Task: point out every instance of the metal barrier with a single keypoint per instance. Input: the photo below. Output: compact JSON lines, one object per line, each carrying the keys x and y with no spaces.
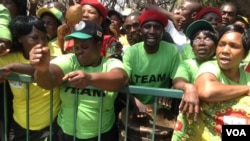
{"x":162,"y":92}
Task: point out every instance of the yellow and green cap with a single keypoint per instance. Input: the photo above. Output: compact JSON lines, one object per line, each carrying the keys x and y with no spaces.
{"x":54,"y":11}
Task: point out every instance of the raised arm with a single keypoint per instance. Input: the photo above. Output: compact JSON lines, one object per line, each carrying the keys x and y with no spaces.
{"x":172,"y":16}
{"x":46,"y":75}
{"x":62,"y":31}
{"x":211,"y":90}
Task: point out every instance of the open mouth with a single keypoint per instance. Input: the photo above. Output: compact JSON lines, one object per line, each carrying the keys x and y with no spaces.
{"x":225,"y":60}
{"x":202,"y":51}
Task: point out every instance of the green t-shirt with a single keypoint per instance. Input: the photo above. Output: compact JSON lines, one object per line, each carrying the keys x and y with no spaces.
{"x":214,"y":115}
{"x":187,"y":69}
{"x":151,"y":70}
{"x":87,"y":118}
{"x":187,"y":52}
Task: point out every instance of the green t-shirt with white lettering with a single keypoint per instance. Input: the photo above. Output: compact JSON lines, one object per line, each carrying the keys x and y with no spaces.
{"x":88,"y":102}
{"x":151,"y":70}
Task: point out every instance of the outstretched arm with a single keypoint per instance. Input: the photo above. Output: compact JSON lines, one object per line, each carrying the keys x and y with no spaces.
{"x":211,"y":90}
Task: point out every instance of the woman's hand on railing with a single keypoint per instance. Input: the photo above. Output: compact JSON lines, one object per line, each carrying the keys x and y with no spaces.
{"x":4,"y":72}
{"x":78,"y":79}
{"x":166,"y":102}
{"x":190,"y":102}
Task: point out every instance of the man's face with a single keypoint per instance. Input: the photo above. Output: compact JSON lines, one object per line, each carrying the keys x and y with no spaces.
{"x":132,"y":28}
{"x":214,"y":19}
{"x":228,"y":15}
{"x":186,"y":10}
{"x":151,"y":32}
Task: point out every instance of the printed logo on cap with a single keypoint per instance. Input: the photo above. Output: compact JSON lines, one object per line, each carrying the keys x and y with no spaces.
{"x":81,"y":25}
{"x":99,"y":33}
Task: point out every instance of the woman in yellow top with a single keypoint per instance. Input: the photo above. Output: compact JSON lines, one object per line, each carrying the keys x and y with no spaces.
{"x":27,"y":32}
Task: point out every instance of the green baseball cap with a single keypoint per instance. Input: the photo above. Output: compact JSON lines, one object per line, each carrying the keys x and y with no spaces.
{"x":198,"y":25}
{"x":85,"y":30}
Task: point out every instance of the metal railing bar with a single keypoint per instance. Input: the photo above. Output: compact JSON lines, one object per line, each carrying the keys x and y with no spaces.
{"x":166,"y":92}
{"x":20,"y":77}
{"x":75,"y":113}
{"x":5,"y":111}
{"x":154,"y":118}
{"x":100,"y":118}
{"x":51,"y":115}
{"x":126,"y":118}
{"x":131,"y":89}
{"x":27,"y":111}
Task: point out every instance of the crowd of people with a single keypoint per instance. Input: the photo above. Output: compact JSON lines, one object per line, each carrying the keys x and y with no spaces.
{"x":201,"y":50}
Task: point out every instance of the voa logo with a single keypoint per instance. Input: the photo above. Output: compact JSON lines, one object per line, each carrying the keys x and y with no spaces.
{"x":236,"y":132}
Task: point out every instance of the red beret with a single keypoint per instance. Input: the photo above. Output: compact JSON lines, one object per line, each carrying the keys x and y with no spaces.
{"x":97,"y":5}
{"x":153,"y":15}
{"x":206,"y":10}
